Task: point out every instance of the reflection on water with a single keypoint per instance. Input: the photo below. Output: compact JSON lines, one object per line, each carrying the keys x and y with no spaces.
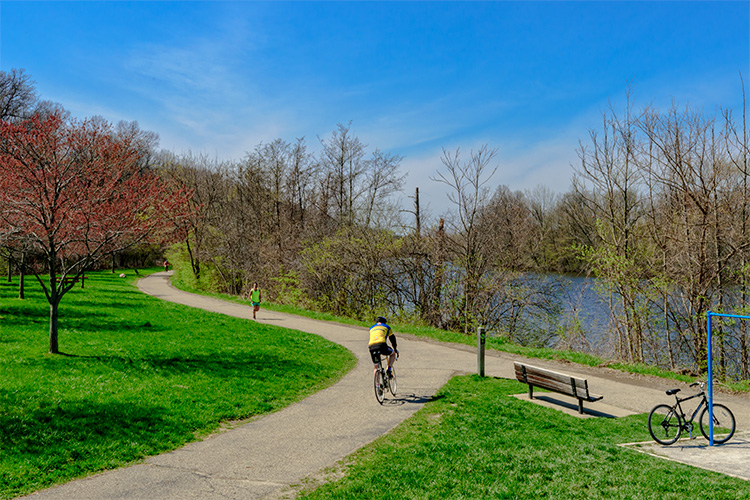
{"x":555,"y":310}
{"x":584,"y":306}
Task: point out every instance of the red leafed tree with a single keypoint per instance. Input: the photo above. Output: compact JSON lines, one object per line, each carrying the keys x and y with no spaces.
{"x":75,"y":192}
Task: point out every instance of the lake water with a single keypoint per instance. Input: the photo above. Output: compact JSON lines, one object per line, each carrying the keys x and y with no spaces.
{"x":582,"y":301}
{"x":583,"y":322}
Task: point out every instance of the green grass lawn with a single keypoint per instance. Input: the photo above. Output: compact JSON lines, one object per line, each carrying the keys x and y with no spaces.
{"x":475,"y":441}
{"x":139,"y":377}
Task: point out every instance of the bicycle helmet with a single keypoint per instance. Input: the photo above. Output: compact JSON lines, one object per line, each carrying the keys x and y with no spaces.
{"x":381,"y":319}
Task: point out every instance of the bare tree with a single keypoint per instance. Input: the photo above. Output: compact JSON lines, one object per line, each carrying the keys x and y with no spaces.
{"x":145,"y":141}
{"x":541,"y":204}
{"x":342,"y":158}
{"x":737,"y":140}
{"x":299,"y":184}
{"x":468,"y":183}
{"x":609,"y":167}
{"x":685,"y":165}
{"x":17,"y":95}
{"x":273,"y":160}
{"x":206,"y":181}
{"x":383,"y":180}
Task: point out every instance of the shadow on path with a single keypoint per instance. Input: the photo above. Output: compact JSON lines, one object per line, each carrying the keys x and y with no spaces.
{"x":403,"y":399}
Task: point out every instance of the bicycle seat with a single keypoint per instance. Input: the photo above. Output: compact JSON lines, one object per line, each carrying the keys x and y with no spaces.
{"x":672,"y":391}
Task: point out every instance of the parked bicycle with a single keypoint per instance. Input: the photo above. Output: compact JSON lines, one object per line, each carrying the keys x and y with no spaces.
{"x":666,"y":423}
{"x":384,"y":381}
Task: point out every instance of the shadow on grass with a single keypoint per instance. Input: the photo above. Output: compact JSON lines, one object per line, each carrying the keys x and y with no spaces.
{"x":56,"y":442}
{"x":74,"y":319}
{"x":159,"y":405}
{"x":250,"y":364}
{"x":73,"y":423}
{"x":122,"y":300}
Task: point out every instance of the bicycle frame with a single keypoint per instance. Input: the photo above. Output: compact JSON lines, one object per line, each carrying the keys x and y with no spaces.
{"x":678,"y":406}
{"x":382,"y":358}
{"x":380,"y":362}
{"x":382,"y":365}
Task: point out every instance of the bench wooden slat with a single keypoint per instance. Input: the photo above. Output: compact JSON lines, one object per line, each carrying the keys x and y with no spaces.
{"x":550,"y":375}
{"x":581,"y":389}
{"x":533,"y":373}
{"x":539,"y":381}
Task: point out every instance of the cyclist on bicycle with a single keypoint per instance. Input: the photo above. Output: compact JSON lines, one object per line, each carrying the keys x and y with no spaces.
{"x":380,"y":332}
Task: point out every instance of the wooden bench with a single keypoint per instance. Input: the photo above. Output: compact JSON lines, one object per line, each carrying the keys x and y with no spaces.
{"x":68,"y":280}
{"x":557,"y":382}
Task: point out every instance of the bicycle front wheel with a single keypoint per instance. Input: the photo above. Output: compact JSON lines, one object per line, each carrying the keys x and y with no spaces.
{"x":379,"y":386}
{"x":664,"y":424}
{"x":723,"y":423}
{"x":392,"y":381}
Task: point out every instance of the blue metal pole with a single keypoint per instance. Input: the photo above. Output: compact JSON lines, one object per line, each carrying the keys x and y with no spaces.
{"x":709,"y":314}
{"x":710,"y":383}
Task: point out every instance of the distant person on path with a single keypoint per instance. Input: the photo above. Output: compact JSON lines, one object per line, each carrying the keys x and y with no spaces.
{"x":166,"y":265}
{"x":380,"y":332}
{"x":255,"y":297}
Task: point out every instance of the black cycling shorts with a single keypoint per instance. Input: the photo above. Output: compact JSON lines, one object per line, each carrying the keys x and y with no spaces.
{"x":377,"y":349}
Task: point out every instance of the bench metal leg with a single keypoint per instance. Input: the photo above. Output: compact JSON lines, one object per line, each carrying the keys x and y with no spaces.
{"x":531,"y":391}
{"x":580,"y":406}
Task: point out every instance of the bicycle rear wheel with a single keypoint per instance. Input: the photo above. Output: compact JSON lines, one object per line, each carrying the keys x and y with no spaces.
{"x":379,"y":384}
{"x":664,"y":424}
{"x":392,"y":381}
{"x":723,"y":423}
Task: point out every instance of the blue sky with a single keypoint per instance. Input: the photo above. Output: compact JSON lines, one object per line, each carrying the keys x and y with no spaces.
{"x":530,"y":78}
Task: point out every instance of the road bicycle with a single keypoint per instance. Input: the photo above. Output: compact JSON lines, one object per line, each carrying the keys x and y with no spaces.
{"x":666,"y":423}
{"x":384,"y":381}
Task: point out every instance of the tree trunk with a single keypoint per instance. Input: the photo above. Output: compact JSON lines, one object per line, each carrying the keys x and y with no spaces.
{"x":422,"y":300}
{"x":54,"y":303}
{"x":194,"y":263}
{"x":21,"y":292}
{"x":53,"y":315}
{"x":436,"y":308}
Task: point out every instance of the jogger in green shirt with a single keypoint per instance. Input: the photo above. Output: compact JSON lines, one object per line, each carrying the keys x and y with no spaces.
{"x":254,"y":296}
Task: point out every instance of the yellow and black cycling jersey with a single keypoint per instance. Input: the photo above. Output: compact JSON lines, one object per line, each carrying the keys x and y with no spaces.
{"x":379,"y":333}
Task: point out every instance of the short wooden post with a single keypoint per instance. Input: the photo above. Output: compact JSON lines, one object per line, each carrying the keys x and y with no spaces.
{"x":480,"y":350}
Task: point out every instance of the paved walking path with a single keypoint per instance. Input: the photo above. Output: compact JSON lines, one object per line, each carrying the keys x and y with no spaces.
{"x":262,"y":458}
